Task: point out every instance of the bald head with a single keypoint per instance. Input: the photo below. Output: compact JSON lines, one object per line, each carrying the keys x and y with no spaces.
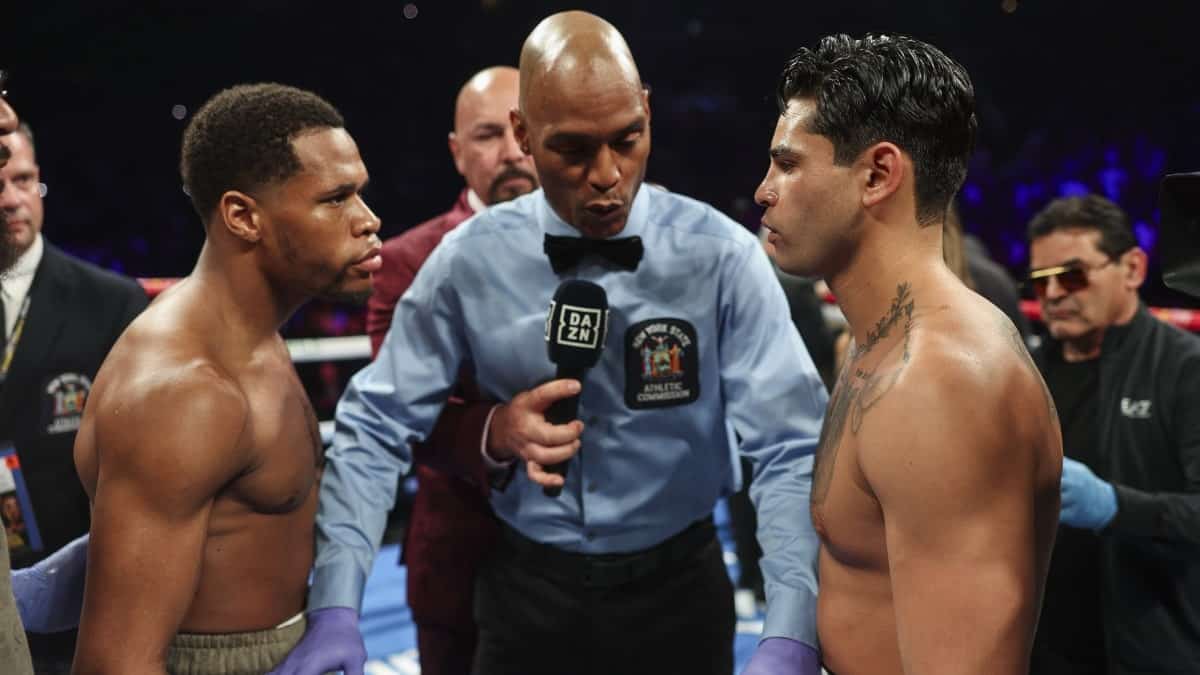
{"x":490,"y":87}
{"x":585,"y":118}
{"x":485,"y":151}
{"x":576,"y":48}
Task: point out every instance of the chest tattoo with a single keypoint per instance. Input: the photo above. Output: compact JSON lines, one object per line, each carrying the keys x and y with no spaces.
{"x":859,"y":388}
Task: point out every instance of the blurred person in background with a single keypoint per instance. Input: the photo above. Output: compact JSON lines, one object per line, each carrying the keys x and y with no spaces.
{"x":61,"y":318}
{"x":14,"y":649}
{"x":452,"y":527}
{"x":1123,"y":593}
{"x":980,"y":273}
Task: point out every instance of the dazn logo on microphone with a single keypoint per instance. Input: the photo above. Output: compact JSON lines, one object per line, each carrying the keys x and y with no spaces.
{"x":579,"y":327}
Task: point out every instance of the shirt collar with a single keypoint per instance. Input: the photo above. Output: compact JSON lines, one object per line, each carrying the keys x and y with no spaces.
{"x":635,"y":225}
{"x":1116,"y":335}
{"x":27,"y":264}
{"x":474,"y":201}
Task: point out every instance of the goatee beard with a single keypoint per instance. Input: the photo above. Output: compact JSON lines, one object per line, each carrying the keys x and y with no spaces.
{"x":496,"y":195}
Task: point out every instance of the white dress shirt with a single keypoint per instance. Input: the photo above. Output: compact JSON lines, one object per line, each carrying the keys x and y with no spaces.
{"x":15,"y":283}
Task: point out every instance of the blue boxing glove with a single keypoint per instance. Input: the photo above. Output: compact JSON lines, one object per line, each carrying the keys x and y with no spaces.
{"x":783,"y":656}
{"x":331,"y":642}
{"x":1087,"y":501}
{"x":50,"y":594}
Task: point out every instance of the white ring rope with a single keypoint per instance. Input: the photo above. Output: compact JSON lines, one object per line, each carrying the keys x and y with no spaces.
{"x":326,"y":427}
{"x":313,"y":350}
{"x":347,"y":348}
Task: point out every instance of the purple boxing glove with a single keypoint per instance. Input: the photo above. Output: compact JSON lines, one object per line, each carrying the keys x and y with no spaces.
{"x":50,"y":594}
{"x":783,"y":656}
{"x":331,"y":642}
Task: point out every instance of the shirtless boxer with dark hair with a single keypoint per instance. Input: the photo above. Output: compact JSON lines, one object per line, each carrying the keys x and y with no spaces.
{"x":198,"y":447}
{"x":935,"y":491}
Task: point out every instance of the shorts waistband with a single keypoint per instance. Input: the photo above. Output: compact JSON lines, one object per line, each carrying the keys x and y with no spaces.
{"x":284,"y":632}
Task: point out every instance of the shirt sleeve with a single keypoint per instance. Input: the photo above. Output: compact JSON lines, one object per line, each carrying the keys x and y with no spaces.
{"x":387,"y":406}
{"x":776,"y":401}
{"x":1167,"y":523}
{"x":448,"y":447}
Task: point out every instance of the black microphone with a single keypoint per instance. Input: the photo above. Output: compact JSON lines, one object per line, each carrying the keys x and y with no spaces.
{"x":576,"y":328}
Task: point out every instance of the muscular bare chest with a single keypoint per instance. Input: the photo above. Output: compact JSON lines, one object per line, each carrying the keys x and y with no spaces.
{"x":285,"y":442}
{"x":846,"y":516}
{"x":845,"y":512}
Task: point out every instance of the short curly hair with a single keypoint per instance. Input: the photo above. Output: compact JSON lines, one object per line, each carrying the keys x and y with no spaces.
{"x":242,"y":138}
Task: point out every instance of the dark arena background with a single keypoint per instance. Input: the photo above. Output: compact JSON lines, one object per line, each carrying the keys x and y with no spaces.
{"x":1074,"y":96}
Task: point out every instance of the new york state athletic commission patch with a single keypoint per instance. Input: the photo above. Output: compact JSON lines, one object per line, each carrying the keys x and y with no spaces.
{"x":661,"y":364}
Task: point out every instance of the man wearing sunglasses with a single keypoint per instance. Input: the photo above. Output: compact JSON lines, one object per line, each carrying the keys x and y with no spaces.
{"x":1123,"y":592}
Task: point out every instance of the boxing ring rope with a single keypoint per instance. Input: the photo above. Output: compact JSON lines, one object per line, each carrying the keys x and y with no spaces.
{"x":351,"y":347}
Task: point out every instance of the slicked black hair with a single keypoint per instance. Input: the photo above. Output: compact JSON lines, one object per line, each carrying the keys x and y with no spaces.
{"x":1089,"y":212}
{"x":242,"y":138}
{"x":890,"y":88}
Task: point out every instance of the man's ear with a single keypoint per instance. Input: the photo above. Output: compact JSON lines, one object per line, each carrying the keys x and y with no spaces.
{"x":520,"y":130}
{"x":1134,"y":263}
{"x":456,"y":152}
{"x":883,"y":171}
{"x":238,"y":213}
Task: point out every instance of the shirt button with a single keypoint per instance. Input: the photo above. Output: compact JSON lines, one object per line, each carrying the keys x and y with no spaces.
{"x":591,"y":488}
{"x":593,"y":420}
{"x":590,"y":535}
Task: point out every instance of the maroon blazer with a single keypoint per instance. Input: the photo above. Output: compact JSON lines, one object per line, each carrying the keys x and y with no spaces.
{"x":452,"y":526}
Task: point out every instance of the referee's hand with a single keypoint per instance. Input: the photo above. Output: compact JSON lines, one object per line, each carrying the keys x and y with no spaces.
{"x":519,"y":429}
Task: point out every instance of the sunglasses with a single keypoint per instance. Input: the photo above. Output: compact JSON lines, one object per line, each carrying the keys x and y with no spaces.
{"x":1072,"y":277}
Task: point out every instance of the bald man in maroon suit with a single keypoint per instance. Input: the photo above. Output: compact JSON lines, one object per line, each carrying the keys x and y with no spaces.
{"x":452,"y":526}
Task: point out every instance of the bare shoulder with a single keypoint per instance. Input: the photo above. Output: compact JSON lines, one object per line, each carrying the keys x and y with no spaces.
{"x":973,"y":345}
{"x":163,"y":405}
{"x":964,"y":407}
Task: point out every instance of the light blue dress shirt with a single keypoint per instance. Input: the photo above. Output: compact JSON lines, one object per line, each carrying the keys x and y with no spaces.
{"x":642,"y":475}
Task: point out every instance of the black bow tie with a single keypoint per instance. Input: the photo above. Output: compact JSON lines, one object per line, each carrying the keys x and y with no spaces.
{"x":566,"y":252}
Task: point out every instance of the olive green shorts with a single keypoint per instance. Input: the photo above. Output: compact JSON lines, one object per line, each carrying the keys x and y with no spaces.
{"x":233,"y":653}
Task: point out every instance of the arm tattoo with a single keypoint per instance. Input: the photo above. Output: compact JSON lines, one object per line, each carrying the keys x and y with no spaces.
{"x":859,"y":389}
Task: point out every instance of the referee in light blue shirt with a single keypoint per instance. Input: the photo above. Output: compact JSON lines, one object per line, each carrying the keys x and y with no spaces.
{"x":622,"y":572}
